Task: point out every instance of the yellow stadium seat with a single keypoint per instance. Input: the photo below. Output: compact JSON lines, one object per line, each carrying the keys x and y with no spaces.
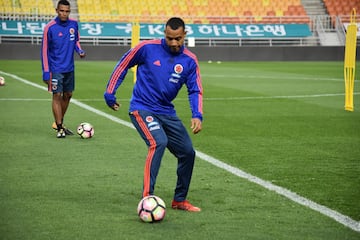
{"x":279,"y":13}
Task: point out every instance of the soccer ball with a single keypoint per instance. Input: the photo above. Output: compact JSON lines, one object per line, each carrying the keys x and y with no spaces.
{"x":151,"y":209}
{"x":2,"y":81}
{"x":85,"y":130}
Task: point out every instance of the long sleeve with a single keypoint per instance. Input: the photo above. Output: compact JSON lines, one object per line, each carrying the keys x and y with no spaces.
{"x":195,"y":90}
{"x":130,"y":59}
{"x":78,"y":48}
{"x":45,"y":63}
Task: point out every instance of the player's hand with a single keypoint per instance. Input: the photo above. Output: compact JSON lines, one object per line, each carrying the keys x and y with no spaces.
{"x":82,"y":54}
{"x":196,"y":125}
{"x":116,"y":106}
{"x":110,"y":100}
{"x":47,"y":83}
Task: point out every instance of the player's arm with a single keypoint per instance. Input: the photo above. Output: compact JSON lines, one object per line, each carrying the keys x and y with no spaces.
{"x":78,"y":48}
{"x":130,"y":59}
{"x":195,"y":93}
{"x":44,"y":53}
{"x":80,"y":51}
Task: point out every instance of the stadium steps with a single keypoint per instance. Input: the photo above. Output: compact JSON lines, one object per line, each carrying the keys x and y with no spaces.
{"x":314,"y":7}
{"x":329,"y":39}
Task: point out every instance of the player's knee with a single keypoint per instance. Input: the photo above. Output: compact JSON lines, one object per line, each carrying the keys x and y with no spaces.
{"x":188,"y":147}
{"x":67,"y":96}
{"x":56,"y":96}
{"x":190,"y":153}
{"x":161,"y":143}
{"x":187,"y":151}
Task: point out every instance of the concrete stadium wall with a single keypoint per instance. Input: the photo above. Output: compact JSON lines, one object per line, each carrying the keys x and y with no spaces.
{"x":25,"y":51}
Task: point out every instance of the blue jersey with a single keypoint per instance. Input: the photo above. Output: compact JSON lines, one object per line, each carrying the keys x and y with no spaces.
{"x":60,"y":40}
{"x":160,"y":76}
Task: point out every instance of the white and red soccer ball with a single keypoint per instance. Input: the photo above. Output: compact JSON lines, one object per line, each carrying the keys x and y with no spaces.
{"x":151,"y":209}
{"x":85,"y":130}
{"x":2,"y":81}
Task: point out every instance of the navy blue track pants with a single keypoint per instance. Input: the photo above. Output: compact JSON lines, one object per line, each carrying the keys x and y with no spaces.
{"x":160,"y":132}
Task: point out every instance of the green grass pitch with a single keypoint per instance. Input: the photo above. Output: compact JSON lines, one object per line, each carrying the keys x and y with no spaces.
{"x":281,"y":122}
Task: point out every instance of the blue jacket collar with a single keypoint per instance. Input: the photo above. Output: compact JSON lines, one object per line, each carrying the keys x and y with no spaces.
{"x":167,"y":48}
{"x":58,"y":21}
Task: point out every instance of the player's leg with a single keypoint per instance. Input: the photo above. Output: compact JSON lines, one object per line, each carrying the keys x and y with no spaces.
{"x":180,"y":144}
{"x":151,"y":131}
{"x":57,"y":108}
{"x":57,"y":88}
{"x":65,"y":102}
{"x":68,"y":88}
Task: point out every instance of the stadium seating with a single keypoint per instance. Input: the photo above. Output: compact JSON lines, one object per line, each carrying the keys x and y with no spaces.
{"x":342,"y":9}
{"x":194,"y":11}
{"x":27,"y":7}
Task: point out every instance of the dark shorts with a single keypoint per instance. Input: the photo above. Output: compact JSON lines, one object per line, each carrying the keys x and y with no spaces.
{"x":62,"y":82}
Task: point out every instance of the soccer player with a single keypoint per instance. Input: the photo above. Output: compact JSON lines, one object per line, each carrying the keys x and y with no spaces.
{"x":60,"y":40}
{"x":163,"y":67}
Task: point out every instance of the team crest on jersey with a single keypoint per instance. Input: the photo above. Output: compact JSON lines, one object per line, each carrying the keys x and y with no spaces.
{"x":178,"y":68}
{"x":152,"y":125}
{"x":149,"y":119}
{"x":72,"y":34}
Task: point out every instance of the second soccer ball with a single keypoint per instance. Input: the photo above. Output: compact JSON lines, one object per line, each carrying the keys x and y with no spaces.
{"x":85,"y":130}
{"x":2,"y":81}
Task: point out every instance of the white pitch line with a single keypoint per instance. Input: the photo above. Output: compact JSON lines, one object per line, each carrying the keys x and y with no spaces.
{"x":343,"y":219}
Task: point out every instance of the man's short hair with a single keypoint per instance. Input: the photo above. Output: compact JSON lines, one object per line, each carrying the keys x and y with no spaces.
{"x":175,"y":22}
{"x":63,"y":2}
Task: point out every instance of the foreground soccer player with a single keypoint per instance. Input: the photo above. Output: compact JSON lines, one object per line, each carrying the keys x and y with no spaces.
{"x":163,"y":67}
{"x":60,"y":40}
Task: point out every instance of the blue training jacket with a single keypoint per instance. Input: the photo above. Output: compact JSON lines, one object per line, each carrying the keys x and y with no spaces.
{"x":60,"y":39}
{"x":160,"y":76}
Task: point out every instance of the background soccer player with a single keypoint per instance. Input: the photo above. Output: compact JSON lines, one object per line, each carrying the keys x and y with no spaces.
{"x":60,"y":40}
{"x":163,"y":67}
